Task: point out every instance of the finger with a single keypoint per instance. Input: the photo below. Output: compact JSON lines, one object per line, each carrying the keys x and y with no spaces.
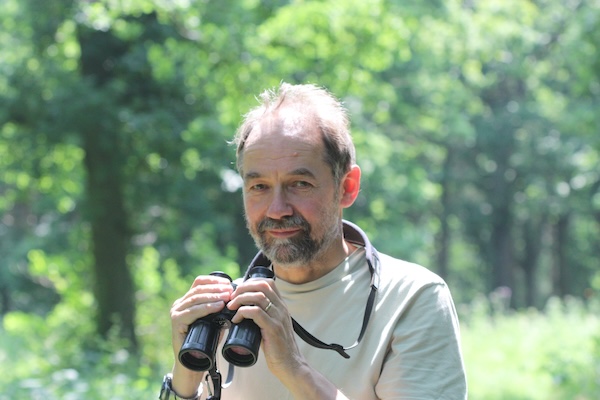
{"x":186,"y":316}
{"x":258,"y":292}
{"x":205,"y":285}
{"x":259,"y":299}
{"x":257,"y":307}
{"x":207,"y":295}
{"x":253,"y":312}
{"x":200,"y":295}
{"x":268,"y":307}
{"x":255,"y":285}
{"x":210,"y":279}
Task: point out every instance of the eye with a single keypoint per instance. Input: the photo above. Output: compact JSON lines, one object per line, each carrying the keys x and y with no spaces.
{"x":301,"y":184}
{"x":255,"y":186}
{"x":258,"y":187}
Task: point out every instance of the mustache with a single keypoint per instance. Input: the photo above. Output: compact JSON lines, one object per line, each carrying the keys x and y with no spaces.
{"x":291,"y":222}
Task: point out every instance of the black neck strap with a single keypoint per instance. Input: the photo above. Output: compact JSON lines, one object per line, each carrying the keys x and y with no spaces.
{"x":354,"y":235}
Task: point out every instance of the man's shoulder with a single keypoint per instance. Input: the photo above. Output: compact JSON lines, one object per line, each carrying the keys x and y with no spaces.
{"x":401,"y":272}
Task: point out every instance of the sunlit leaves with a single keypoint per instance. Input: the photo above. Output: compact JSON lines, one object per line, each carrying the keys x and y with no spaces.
{"x":327,"y":41}
{"x":192,"y":162}
{"x":510,"y":89}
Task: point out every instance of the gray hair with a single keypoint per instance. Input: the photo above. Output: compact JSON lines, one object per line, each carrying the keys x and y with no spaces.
{"x":312,"y":102}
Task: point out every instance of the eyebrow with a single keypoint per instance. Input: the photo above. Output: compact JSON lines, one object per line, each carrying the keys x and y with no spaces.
{"x":303,"y":172}
{"x":251,"y":175}
{"x":296,"y":172}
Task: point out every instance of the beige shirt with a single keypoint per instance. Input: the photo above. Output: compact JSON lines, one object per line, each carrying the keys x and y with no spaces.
{"x":411,"y":349}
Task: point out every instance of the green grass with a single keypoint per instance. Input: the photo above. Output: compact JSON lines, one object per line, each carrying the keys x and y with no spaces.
{"x":533,"y":355}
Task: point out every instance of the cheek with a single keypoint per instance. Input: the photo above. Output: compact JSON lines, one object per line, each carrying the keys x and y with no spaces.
{"x":315,"y":212}
{"x":252,"y":210}
{"x":312,"y":209}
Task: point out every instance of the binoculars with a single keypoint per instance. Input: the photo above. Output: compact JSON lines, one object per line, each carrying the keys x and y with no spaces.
{"x":242,"y":344}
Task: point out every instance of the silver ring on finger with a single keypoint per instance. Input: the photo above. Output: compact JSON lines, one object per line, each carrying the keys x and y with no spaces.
{"x":268,"y":306}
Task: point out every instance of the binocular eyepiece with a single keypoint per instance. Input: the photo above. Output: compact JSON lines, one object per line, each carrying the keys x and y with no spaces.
{"x":242,"y":344}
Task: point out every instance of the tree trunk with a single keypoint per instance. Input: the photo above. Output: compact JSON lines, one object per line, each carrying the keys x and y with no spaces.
{"x":502,"y":274}
{"x":561,"y":273}
{"x":443,"y":242}
{"x":107,"y":214}
{"x":532,"y":237}
{"x":110,"y":235}
{"x":502,"y":222}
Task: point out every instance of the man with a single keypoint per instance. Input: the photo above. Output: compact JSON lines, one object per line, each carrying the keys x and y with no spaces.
{"x":297,"y":161}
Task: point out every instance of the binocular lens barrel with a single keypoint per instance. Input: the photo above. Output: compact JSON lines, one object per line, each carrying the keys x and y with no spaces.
{"x":242,"y":344}
{"x":198,"y":351}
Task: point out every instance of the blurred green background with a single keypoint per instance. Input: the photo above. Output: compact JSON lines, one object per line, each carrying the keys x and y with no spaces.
{"x":477,"y":126}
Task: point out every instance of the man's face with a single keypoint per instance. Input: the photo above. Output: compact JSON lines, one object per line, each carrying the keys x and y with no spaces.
{"x":290,"y":199}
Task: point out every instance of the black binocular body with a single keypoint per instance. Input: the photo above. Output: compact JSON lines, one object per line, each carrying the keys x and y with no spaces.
{"x":242,"y":344}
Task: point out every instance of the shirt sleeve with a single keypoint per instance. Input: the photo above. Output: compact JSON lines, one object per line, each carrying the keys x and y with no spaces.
{"x":424,"y":360}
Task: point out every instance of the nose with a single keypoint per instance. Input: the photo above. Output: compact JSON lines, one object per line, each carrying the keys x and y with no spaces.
{"x":279,"y":206}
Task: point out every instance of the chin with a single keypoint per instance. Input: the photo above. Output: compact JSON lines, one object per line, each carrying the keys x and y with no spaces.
{"x":289,"y":266}
{"x":287,"y":256}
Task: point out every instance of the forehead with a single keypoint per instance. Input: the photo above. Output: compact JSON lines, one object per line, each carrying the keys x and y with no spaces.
{"x":284,"y":140}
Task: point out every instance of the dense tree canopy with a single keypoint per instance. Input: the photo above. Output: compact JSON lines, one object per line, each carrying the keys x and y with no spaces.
{"x":476,"y":125}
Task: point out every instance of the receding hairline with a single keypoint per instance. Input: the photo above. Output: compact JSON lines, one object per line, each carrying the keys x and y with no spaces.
{"x":313,"y":104}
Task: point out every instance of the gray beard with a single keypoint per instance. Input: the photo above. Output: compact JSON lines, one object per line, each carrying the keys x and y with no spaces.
{"x":296,"y":251}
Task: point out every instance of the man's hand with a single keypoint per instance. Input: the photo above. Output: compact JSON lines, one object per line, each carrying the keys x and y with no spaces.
{"x":208,"y":295}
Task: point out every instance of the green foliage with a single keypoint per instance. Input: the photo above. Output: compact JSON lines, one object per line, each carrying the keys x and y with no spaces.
{"x":39,"y":363}
{"x":60,"y":356}
{"x":476,"y":128}
{"x":423,"y":83}
{"x":531,"y":355}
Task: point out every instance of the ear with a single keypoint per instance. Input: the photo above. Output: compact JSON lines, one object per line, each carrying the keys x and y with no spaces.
{"x":350,"y":186}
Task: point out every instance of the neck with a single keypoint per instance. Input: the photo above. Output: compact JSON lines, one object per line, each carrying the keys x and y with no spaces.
{"x":321,"y":266}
